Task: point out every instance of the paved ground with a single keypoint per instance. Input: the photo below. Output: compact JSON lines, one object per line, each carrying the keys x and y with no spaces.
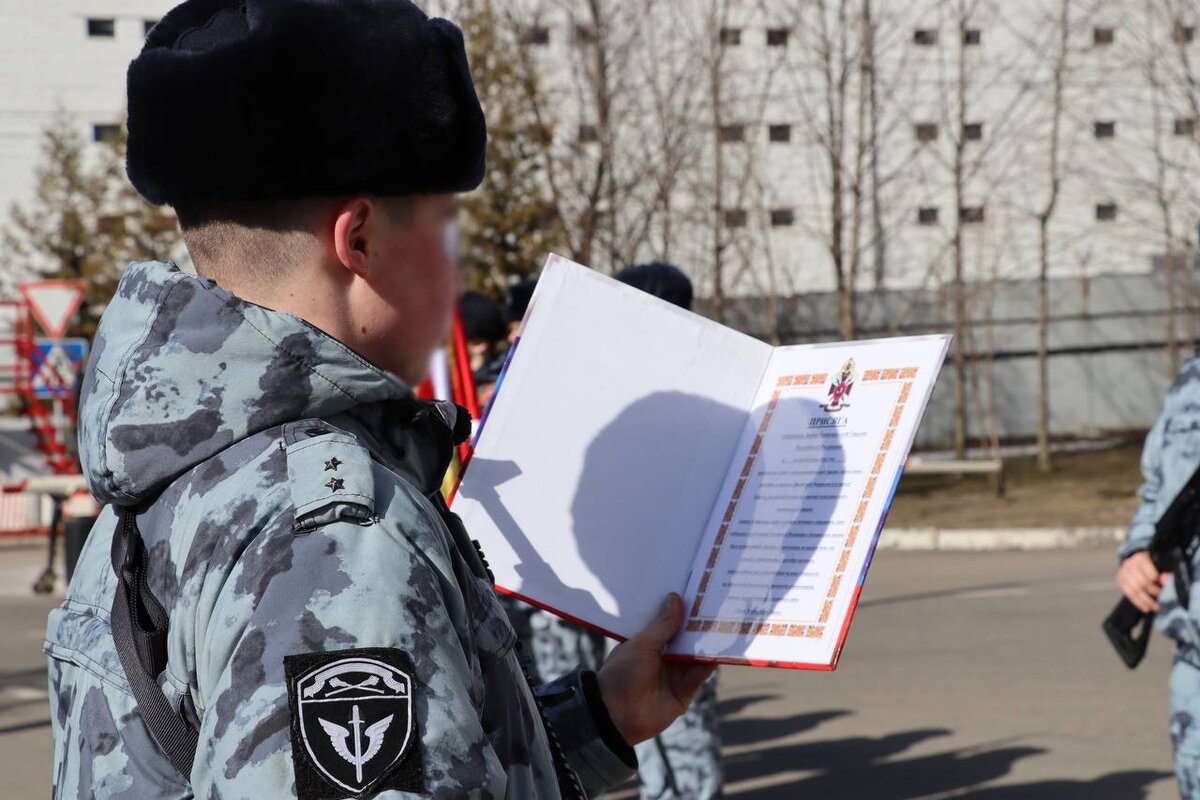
{"x":981,"y":675}
{"x":978,"y":675}
{"x":24,"y":715}
{"x":18,"y":456}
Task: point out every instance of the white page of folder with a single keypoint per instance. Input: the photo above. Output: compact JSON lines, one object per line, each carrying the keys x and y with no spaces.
{"x":594,"y":476}
{"x":800,"y":518}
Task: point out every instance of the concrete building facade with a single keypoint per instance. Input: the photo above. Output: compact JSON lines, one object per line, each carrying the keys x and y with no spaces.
{"x":62,"y":55}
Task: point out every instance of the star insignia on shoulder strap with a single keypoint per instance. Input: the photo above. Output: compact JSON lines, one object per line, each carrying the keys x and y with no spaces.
{"x":335,"y":484}
{"x":333,"y":464}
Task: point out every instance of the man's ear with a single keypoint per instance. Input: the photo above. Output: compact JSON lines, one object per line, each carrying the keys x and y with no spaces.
{"x":352,"y":229}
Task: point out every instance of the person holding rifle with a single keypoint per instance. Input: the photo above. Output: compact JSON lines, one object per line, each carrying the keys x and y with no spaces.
{"x":1170,"y":459}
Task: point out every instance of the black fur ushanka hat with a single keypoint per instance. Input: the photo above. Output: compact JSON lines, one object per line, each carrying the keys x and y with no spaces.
{"x":664,"y":281}
{"x":274,"y":99}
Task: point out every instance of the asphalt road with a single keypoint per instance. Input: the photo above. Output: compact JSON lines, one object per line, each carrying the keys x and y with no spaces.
{"x":981,"y":675}
{"x":978,"y":675}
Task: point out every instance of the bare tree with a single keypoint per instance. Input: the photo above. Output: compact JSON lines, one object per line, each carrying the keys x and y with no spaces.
{"x":84,"y":222}
{"x":612,"y":159}
{"x":1054,"y":178}
{"x":1161,"y":190}
{"x":575,"y":179}
{"x":982,"y":159}
{"x":509,"y":222}
{"x":673,"y":99}
{"x":716,"y":20}
{"x":833,"y":84}
{"x":1174,"y":82}
{"x":960,"y":14}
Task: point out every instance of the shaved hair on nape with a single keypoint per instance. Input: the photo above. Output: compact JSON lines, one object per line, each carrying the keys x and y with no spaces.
{"x":262,"y":241}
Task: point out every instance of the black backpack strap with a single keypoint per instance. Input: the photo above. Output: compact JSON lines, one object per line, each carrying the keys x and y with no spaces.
{"x":139,"y":629}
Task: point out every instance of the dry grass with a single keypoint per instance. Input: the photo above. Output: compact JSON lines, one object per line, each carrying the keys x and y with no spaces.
{"x":1085,"y":489}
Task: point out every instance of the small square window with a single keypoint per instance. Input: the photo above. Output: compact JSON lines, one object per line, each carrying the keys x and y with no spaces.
{"x":782,"y":217}
{"x":1102,"y":37}
{"x":538,"y":34}
{"x":972,"y":36}
{"x":926,"y":132}
{"x":102,"y":28}
{"x":588,"y":133}
{"x":780,"y":133}
{"x":925,"y":37}
{"x":731,"y":133}
{"x":927,"y":216}
{"x":148,"y":25}
{"x":970,"y":214}
{"x":973,"y":131}
{"x":735,"y":218}
{"x":1184,"y":34}
{"x":1185,"y":126}
{"x":731,"y":36}
{"x":1106,"y":212}
{"x":1105,"y":129}
{"x":777,"y":37}
{"x":106,"y":132}
{"x":585,"y":34}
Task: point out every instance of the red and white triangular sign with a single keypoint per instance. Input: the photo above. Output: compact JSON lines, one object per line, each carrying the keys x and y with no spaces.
{"x":53,"y":303}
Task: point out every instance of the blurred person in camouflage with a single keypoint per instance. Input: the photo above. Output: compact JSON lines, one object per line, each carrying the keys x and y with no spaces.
{"x":684,"y":761}
{"x":1169,"y":457}
{"x":275,"y":601}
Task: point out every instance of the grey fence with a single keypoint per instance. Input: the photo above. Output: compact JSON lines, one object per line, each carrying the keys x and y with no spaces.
{"x":1108,"y":348}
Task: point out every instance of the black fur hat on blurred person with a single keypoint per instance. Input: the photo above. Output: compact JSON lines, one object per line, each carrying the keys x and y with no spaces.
{"x":516,"y":301}
{"x":482,"y":319}
{"x":258,"y":100}
{"x":665,"y":281}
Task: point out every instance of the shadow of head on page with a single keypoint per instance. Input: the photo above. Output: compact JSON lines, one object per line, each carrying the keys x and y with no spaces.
{"x":644,"y":491}
{"x":648,"y":484}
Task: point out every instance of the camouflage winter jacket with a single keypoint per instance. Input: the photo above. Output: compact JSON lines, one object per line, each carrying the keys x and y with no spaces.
{"x":328,"y":635}
{"x":1170,"y":456}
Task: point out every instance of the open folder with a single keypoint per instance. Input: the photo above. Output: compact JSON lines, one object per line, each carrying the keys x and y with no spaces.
{"x":634,"y":449}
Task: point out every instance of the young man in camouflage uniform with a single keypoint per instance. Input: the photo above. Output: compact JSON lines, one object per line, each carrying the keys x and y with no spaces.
{"x":684,"y":761}
{"x":1170,"y":456}
{"x":275,"y":602}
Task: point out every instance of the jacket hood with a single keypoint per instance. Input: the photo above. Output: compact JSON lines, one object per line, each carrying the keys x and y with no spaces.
{"x":181,"y":369}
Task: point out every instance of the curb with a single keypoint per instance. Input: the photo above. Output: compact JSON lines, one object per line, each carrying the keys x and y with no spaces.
{"x":983,"y":539}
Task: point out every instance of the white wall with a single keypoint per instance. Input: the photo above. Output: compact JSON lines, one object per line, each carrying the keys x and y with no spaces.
{"x":47,"y":62}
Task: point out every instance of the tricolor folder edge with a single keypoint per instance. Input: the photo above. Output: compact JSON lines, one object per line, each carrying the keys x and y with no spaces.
{"x":633,"y":448}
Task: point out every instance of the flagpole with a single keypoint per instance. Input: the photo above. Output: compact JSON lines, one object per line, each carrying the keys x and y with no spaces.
{"x":466,"y":391}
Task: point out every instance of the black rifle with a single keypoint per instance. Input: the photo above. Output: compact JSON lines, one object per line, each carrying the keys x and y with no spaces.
{"x":1176,"y":536}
